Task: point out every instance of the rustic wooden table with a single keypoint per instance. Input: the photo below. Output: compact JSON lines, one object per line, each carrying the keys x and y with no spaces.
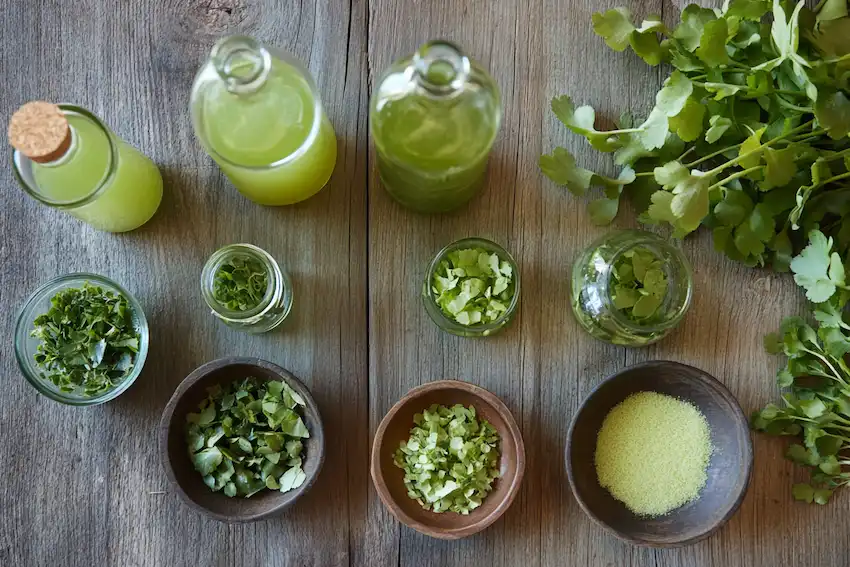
{"x":84,"y":487}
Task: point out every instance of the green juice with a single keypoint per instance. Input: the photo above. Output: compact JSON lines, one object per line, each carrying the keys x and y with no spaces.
{"x":116,"y":200}
{"x":434,"y":118}
{"x":432,"y":157}
{"x":260,"y":120}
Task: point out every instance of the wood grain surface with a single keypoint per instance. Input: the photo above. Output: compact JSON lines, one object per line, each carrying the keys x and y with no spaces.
{"x":84,"y":487}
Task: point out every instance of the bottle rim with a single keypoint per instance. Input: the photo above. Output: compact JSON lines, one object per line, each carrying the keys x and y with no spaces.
{"x":31,"y":187}
{"x":266,"y":55}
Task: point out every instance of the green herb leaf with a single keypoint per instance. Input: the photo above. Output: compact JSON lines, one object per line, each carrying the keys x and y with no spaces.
{"x":236,"y":440}
{"x":450,"y":460}
{"x":88,"y":342}
{"x":240,"y":283}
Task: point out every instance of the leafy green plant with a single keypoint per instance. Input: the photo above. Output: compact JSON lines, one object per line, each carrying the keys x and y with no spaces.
{"x":816,"y":405}
{"x":641,"y":284}
{"x":88,"y":341}
{"x":748,"y":136}
{"x":241,"y":283}
{"x":450,"y":459}
{"x":247,"y":436}
{"x":473,"y":286}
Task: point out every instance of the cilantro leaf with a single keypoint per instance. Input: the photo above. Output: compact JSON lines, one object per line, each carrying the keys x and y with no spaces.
{"x":560,"y":166}
{"x":816,"y":270}
{"x":712,"y":45}
{"x":615,"y":27}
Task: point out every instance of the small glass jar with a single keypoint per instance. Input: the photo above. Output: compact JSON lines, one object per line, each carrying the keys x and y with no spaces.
{"x":275,"y":304}
{"x":26,"y":346}
{"x":593,"y":283}
{"x":446,"y":323}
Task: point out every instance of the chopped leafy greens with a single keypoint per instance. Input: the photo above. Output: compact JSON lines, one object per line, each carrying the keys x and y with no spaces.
{"x":640,"y":284}
{"x":748,"y":135}
{"x":473,"y":286}
{"x":816,"y":404}
{"x":450,"y":460}
{"x":88,"y":341}
{"x":247,"y":436}
{"x":240,"y":283}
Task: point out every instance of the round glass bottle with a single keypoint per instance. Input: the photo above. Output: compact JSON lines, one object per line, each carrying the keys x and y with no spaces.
{"x":257,"y":112}
{"x":430,"y":295}
{"x":246,"y":288}
{"x":66,"y":158}
{"x":434,"y":117}
{"x":619,"y":270}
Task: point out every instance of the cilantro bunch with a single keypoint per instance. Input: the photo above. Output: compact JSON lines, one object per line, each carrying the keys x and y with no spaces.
{"x":247,"y":436}
{"x":816,"y":405}
{"x":748,"y":136}
{"x":450,"y":460}
{"x":88,"y":342}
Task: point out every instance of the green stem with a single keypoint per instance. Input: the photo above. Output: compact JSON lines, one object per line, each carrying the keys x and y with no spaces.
{"x":828,"y":363}
{"x":711,"y":155}
{"x":757,"y":150}
{"x":689,"y":150}
{"x":645,"y":174}
{"x":844,"y":57}
{"x":835,"y":178}
{"x":742,"y":173}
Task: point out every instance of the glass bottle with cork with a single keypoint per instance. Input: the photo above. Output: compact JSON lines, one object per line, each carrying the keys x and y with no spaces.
{"x":65,"y":157}
{"x":434,"y":118}
{"x":257,"y":113}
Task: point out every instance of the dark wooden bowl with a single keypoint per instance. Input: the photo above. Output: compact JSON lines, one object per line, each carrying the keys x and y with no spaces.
{"x":728,"y":470}
{"x":175,"y":457}
{"x":389,"y":479}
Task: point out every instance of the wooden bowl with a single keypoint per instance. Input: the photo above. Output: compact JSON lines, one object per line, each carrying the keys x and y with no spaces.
{"x":175,"y":456}
{"x":728,"y":470}
{"x":389,"y":479}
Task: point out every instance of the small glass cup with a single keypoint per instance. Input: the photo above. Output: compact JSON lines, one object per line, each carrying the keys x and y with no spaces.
{"x":276,"y":303}
{"x":592,"y":286}
{"x":446,"y":323}
{"x":26,"y":345}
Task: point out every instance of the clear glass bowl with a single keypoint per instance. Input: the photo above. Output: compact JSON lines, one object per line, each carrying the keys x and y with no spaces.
{"x":26,"y":345}
{"x":276,"y":303}
{"x":446,"y":323}
{"x":592,"y":286}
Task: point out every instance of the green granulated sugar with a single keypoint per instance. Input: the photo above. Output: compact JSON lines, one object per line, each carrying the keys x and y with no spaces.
{"x":652,"y":453}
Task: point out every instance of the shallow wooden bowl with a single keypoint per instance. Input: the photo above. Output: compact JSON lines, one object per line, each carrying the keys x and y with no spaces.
{"x":175,"y":457}
{"x":728,"y":469}
{"x":389,"y":479}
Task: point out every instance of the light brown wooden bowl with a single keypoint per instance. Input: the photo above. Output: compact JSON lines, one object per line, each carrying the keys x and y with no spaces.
{"x":175,"y":457}
{"x":728,"y":470}
{"x":395,"y":428}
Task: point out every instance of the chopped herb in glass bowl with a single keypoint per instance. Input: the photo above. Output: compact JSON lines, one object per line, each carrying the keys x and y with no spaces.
{"x":641,"y":283}
{"x":472,"y":288}
{"x":81,"y":339}
{"x":450,"y":460}
{"x":247,"y":437}
{"x":241,"y":283}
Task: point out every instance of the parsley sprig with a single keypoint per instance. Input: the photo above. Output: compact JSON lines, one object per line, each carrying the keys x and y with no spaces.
{"x":816,"y":405}
{"x":748,"y":136}
{"x":88,"y":341}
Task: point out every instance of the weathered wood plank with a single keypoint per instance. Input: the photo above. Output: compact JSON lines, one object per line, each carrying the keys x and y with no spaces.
{"x":83,"y":484}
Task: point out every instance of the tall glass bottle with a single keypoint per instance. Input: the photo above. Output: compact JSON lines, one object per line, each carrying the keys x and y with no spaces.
{"x":258,"y":115}
{"x":66,"y":158}
{"x":434,"y":117}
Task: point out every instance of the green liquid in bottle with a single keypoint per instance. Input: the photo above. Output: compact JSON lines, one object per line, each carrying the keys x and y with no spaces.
{"x":116,"y":200}
{"x":433,"y":133}
{"x":260,"y":120}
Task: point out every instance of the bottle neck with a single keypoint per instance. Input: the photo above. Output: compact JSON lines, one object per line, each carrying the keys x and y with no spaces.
{"x":441,"y":68}
{"x":242,"y":63}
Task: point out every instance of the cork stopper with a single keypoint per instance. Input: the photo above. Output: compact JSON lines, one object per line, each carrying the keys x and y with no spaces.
{"x":40,"y":131}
